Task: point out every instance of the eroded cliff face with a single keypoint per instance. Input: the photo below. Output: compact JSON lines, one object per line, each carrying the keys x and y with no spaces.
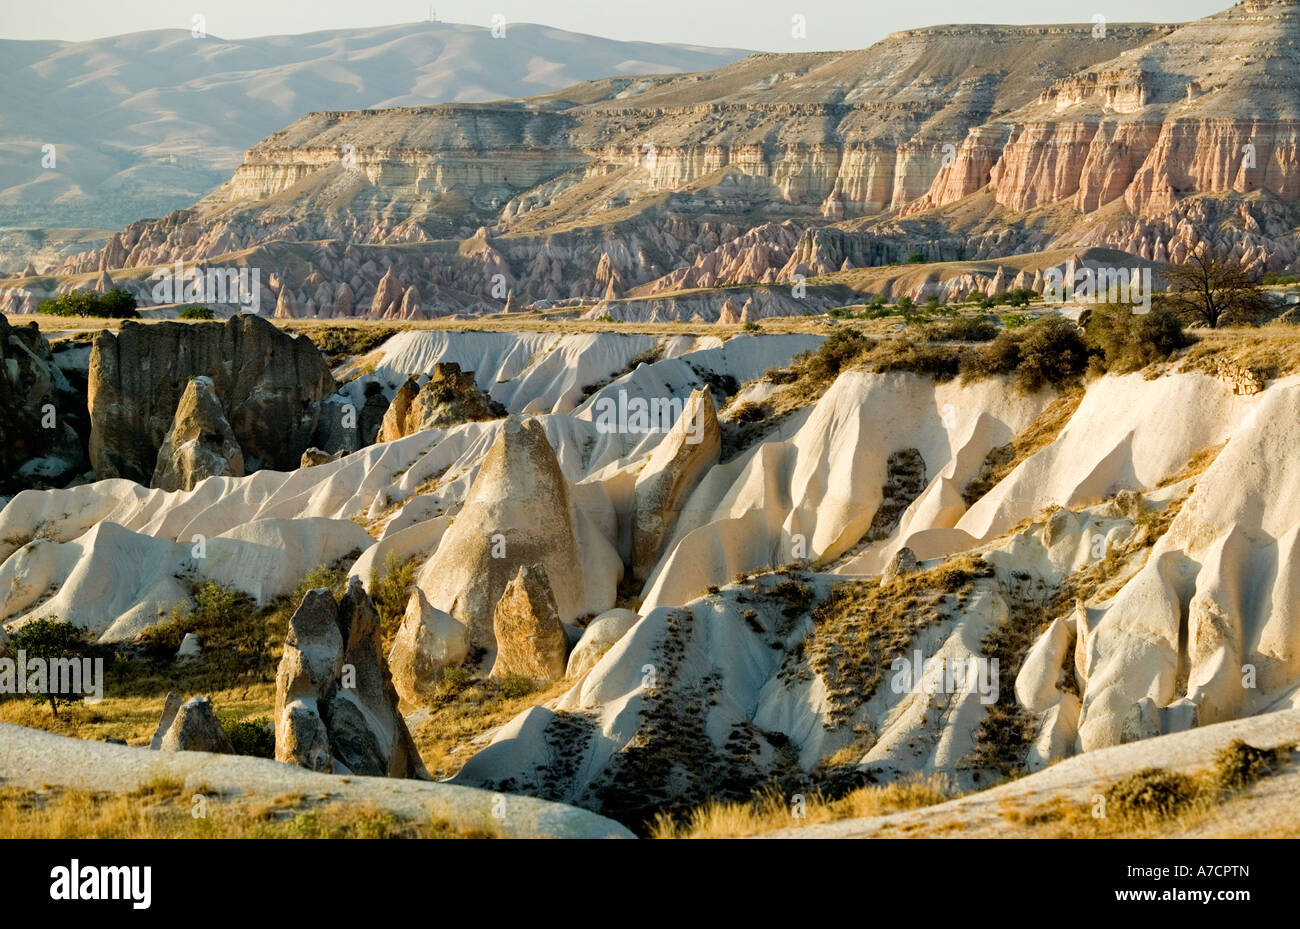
{"x":825,"y":135}
{"x":269,"y":383}
{"x":952,"y":143}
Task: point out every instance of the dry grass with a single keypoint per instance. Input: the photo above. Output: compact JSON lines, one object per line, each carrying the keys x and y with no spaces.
{"x":1042,"y":432}
{"x":1154,"y":802}
{"x":463,"y":709}
{"x":166,"y":810}
{"x":770,"y":810}
{"x":132,"y":717}
{"x":862,"y":626}
{"x":1195,"y":465}
{"x":1270,"y":351}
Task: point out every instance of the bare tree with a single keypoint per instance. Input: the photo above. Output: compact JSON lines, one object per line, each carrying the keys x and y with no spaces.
{"x":1213,"y":292}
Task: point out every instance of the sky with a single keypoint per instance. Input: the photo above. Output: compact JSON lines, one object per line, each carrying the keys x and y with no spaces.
{"x":766,"y":25}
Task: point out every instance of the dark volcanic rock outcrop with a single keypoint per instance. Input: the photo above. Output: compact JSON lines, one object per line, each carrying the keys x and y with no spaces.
{"x":271,"y":384}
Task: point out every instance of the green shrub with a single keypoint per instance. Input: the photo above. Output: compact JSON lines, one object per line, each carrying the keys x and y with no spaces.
{"x":837,"y":353}
{"x":748,"y":412}
{"x":1126,"y":341}
{"x":751,"y":326}
{"x":940,"y":362}
{"x":964,"y":329}
{"x":220,"y":606}
{"x":253,"y":737}
{"x":1049,"y":351}
{"x":512,"y":686}
{"x":391,"y":592}
{"x":1020,"y":297}
{"x":116,"y":304}
{"x":333,"y":580}
{"x":196,"y":312}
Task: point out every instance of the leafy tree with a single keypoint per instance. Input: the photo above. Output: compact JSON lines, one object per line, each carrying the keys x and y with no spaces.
{"x":118,"y":304}
{"x":1213,"y":292}
{"x":49,"y":639}
{"x":1020,"y":297}
{"x":196,"y":312}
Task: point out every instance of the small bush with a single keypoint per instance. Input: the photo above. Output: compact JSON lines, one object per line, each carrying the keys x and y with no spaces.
{"x":220,"y":606}
{"x":796,"y":594}
{"x":391,"y":592}
{"x":456,"y":679}
{"x":964,"y":329}
{"x":1238,"y":765}
{"x":331,"y":579}
{"x":196,"y":312}
{"x":837,"y":353}
{"x":940,"y":362}
{"x":751,"y":326}
{"x":1151,"y":792}
{"x":1048,"y":352}
{"x":253,"y":737}
{"x":1128,"y":341}
{"x":749,"y":412}
{"x":513,"y":686}
{"x":1020,"y":297}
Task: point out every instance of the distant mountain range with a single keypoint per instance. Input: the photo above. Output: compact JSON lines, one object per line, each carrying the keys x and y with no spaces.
{"x":149,"y":122}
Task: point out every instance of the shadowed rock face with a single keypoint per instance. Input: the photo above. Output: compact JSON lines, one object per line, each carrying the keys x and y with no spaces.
{"x":335,"y":705}
{"x":271,"y":384}
{"x":195,"y":728}
{"x":31,"y":424}
{"x":450,"y":397}
{"x":200,"y":443}
{"x":517,"y":513}
{"x":673,"y":471}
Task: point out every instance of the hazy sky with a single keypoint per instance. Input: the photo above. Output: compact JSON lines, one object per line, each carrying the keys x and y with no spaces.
{"x":758,"y":24}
